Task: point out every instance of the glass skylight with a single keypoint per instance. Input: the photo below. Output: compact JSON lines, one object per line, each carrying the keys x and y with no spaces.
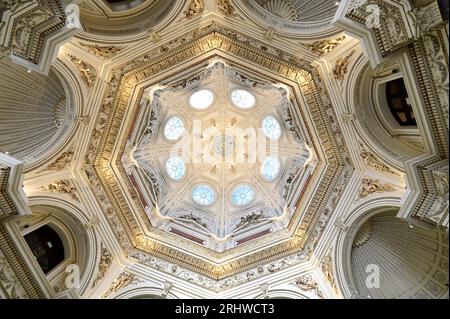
{"x":203,"y":195}
{"x":175,"y":168}
{"x":271,"y":128}
{"x":242,"y":195}
{"x":202,"y":99}
{"x":242,"y":98}
{"x":270,"y":168}
{"x":174,"y":128}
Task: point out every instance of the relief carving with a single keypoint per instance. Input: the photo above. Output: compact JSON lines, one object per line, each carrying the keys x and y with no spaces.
{"x":64,"y":186}
{"x":325,"y":46}
{"x":225,"y":7}
{"x":371,"y":186}
{"x":87,"y":72}
{"x":103,"y":266}
{"x":374,"y":162}
{"x":307,"y":283}
{"x":195,"y":7}
{"x":340,"y":68}
{"x":102,"y":51}
{"x":62,"y":162}
{"x":124,"y":280}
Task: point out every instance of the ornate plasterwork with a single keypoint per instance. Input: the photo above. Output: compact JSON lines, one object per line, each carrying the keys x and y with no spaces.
{"x":10,"y":284}
{"x":103,"y":266}
{"x":322,"y":47}
{"x":102,"y":51}
{"x":224,"y":284}
{"x":307,"y":283}
{"x":225,"y":7}
{"x":195,"y":7}
{"x":327,"y":269}
{"x":63,"y":186}
{"x":439,"y":70}
{"x":370,"y":186}
{"x":373,"y":161}
{"x":314,"y":93}
{"x":62,"y":161}
{"x":385,"y":19}
{"x":87,"y":72}
{"x":16,"y":279}
{"x":30,"y":30}
{"x":124,"y":280}
{"x":340,"y":68}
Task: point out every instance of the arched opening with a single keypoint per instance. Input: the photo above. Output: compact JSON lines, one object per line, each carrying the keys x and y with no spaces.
{"x":399,"y":104}
{"x":47,"y":247}
{"x":385,"y":106}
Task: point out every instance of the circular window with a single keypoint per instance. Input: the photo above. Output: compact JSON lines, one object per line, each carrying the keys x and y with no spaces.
{"x":223,"y":144}
{"x":203,"y":195}
{"x":174,"y":128}
{"x":242,"y":98}
{"x":201,"y":99}
{"x":175,"y":168}
{"x":270,"y":168}
{"x":271,"y":128}
{"x":242,"y":195}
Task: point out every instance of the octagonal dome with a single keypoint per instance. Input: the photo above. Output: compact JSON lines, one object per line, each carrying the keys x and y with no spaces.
{"x":209,"y":186}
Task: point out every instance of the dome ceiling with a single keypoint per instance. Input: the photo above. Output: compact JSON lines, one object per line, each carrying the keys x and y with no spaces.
{"x":220,"y":152}
{"x":297,"y":18}
{"x":210,"y":211}
{"x":35,"y":112}
{"x":113,"y":19}
{"x":300,"y":10}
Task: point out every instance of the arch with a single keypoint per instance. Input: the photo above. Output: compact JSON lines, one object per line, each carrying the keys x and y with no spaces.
{"x":47,"y":246}
{"x":414,"y":255}
{"x":81,"y":245}
{"x":377,"y":126}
